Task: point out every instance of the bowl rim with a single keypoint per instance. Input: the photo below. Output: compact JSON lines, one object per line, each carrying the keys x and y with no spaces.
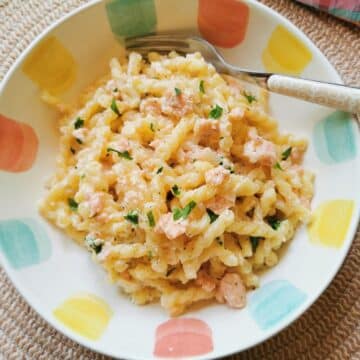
{"x":311,"y":298}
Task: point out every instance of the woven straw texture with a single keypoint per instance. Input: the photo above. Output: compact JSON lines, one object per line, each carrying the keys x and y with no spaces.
{"x":330,"y":329}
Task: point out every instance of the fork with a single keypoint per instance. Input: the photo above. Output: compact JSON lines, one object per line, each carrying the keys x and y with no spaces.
{"x":338,"y":96}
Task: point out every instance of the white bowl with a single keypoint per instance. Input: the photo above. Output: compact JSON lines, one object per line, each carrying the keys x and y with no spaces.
{"x":58,"y":278}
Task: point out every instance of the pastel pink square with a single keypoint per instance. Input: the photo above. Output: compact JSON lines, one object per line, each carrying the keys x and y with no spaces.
{"x":183,"y":337}
{"x":18,"y":145}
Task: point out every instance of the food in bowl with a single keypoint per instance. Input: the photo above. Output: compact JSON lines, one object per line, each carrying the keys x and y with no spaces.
{"x":178,"y":181}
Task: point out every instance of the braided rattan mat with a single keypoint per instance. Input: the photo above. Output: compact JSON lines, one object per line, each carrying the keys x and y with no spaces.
{"x":330,"y":329}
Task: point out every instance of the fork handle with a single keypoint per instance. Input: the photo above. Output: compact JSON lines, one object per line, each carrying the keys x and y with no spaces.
{"x":337,"y":96}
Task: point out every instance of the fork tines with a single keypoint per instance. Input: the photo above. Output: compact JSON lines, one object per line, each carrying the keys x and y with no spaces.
{"x":159,"y":43}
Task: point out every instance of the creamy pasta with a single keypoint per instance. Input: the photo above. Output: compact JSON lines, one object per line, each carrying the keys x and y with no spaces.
{"x":178,"y":181}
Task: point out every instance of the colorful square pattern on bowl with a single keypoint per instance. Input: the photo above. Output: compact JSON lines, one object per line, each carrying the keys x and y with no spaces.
{"x":24,"y":242}
{"x":129,"y":18}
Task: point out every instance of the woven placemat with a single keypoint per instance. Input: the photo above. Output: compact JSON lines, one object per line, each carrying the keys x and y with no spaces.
{"x":330,"y":329}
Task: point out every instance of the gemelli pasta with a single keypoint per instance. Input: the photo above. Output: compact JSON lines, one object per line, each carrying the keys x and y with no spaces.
{"x":178,"y":181}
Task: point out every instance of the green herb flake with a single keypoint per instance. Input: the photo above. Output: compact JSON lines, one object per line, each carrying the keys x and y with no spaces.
{"x":79,"y":141}
{"x":93,"y":245}
{"x":188,"y":208}
{"x":73,"y":204}
{"x":114,"y":107}
{"x":116,"y":90}
{"x":202,"y":87}
{"x":159,"y":170}
{"x":255,"y":242}
{"x":149,"y":255}
{"x":285,"y":155}
{"x":249,"y":97}
{"x":177,"y":91}
{"x":278,"y":166}
{"x":183,"y":213}
{"x":212,"y":215}
{"x":151,"y":219}
{"x":132,"y":217}
{"x":216,"y":112}
{"x":79,"y":123}
{"x":72,"y":150}
{"x":124,"y":154}
{"x":152,"y":128}
{"x":175,"y":190}
{"x":177,"y":213}
{"x":274,"y":222}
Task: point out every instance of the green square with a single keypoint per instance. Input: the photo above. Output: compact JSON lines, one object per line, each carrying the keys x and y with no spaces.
{"x":130,"y":18}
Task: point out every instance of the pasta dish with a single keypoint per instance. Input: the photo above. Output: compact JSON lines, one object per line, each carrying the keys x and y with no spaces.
{"x":178,"y":181}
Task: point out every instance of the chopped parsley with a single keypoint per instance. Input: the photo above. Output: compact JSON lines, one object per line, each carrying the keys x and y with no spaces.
{"x":93,"y":244}
{"x":286,"y":153}
{"x":177,"y":91}
{"x":152,"y":127}
{"x":278,"y":166}
{"x":183,"y":213}
{"x":177,"y":214}
{"x":79,"y":141}
{"x":249,"y":97}
{"x":73,"y":204}
{"x":212,"y":215}
{"x":72,"y":150}
{"x":116,"y":90}
{"x":216,"y":112}
{"x":132,"y":216}
{"x":124,"y":154}
{"x":255,"y":242}
{"x":114,"y":107}
{"x":160,"y":169}
{"x":175,"y":189}
{"x":79,"y":123}
{"x":151,"y":218}
{"x":149,"y":255}
{"x":201,"y":87}
{"x":274,"y":222}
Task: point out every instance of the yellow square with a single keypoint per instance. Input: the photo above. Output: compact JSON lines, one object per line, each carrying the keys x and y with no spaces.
{"x":51,"y":66}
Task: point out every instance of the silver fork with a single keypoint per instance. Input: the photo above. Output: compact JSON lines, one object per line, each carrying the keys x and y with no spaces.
{"x":323,"y":93}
